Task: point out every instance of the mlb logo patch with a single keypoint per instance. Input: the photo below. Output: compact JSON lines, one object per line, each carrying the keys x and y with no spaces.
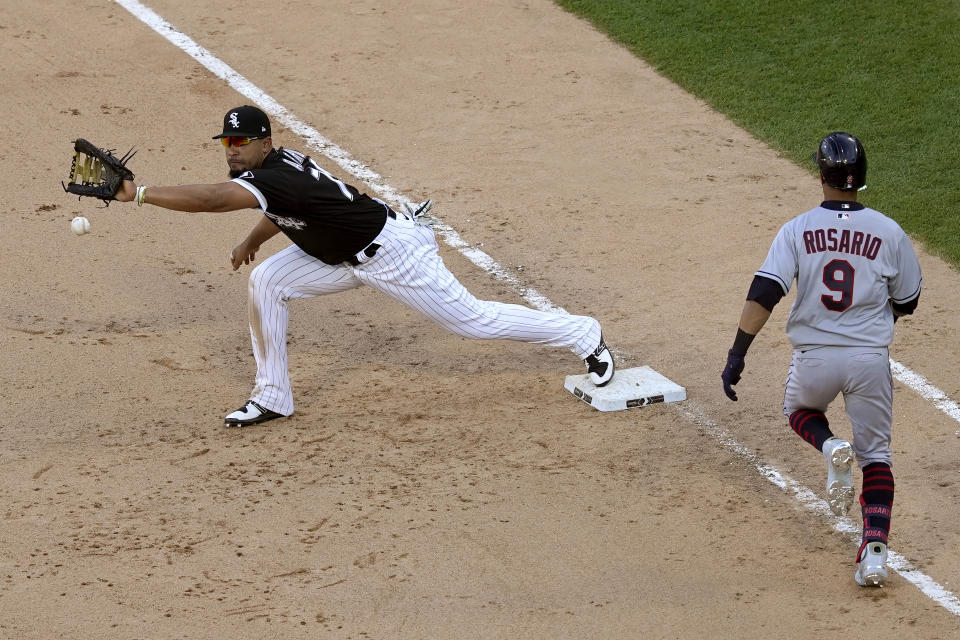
{"x":843,"y":215}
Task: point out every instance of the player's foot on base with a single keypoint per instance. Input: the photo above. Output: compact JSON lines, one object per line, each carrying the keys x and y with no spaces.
{"x":839,"y":455}
{"x":250,"y":413}
{"x":872,"y":567}
{"x":600,"y":365}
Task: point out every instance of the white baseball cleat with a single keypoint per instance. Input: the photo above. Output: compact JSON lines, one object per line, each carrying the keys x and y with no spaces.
{"x":872,"y":568}
{"x":839,"y":455}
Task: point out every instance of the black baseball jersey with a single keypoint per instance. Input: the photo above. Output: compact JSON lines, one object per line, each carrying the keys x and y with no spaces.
{"x":327,"y":218}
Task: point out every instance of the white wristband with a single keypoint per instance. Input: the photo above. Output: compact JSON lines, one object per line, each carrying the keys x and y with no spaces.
{"x":139,"y":198}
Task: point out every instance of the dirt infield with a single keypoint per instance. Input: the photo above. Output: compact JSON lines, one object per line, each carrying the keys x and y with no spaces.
{"x":428,"y":486}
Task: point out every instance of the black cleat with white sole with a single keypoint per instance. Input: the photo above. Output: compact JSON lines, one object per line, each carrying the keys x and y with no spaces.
{"x":250,"y":413}
{"x":600,"y":365}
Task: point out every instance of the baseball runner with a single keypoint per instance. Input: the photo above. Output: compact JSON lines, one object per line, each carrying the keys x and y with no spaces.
{"x":343,"y":239}
{"x":856,"y":273}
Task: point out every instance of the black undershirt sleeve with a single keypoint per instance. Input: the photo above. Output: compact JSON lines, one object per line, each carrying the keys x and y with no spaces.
{"x":905,"y":308}
{"x":742,"y":342}
{"x":765,"y":292}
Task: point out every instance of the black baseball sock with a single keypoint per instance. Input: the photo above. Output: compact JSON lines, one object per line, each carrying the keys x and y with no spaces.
{"x":876,"y":503}
{"x":812,"y":426}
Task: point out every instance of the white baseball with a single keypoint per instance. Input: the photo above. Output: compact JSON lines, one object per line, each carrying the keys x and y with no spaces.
{"x":80,"y":225}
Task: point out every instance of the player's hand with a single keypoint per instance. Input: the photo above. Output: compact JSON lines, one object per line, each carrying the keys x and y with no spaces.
{"x":731,"y":373}
{"x":242,"y":254}
{"x":127,"y":191}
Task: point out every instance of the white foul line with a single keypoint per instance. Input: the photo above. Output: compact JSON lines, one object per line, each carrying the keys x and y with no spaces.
{"x":692,"y":412}
{"x":926,"y":390}
{"x":373,"y":180}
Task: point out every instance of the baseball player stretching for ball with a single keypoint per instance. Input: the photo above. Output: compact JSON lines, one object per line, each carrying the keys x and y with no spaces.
{"x":343,"y":239}
{"x":856,"y":273}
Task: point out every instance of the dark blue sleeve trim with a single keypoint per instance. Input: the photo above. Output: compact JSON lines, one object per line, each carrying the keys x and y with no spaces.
{"x":772,"y":276}
{"x":915,"y":294}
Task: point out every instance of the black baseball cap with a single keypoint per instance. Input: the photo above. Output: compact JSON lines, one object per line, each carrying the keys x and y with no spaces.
{"x":246,"y":121}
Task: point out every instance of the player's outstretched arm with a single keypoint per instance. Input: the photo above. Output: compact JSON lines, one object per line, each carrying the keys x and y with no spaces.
{"x":223,"y":196}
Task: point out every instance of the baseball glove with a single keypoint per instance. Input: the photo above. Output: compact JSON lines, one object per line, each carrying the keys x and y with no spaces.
{"x":96,"y":172}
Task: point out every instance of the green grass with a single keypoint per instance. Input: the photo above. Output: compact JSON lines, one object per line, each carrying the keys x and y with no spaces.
{"x":790,"y":72}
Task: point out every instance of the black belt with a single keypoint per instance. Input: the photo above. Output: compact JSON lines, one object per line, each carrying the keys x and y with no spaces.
{"x":372,"y":248}
{"x":370,"y":251}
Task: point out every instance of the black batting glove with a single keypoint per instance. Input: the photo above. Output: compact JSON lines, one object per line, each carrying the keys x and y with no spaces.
{"x":731,"y":373}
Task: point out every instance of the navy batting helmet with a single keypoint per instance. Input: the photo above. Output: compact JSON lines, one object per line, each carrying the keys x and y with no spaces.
{"x":842,"y":162}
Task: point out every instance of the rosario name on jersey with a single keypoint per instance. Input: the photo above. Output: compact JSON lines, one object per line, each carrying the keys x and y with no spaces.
{"x":849,"y":261}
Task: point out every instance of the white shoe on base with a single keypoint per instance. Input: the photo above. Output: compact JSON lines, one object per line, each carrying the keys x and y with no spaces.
{"x":872,"y":568}
{"x":839,"y":455}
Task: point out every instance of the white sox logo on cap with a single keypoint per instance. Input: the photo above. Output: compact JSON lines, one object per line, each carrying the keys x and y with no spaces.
{"x":234,"y":121}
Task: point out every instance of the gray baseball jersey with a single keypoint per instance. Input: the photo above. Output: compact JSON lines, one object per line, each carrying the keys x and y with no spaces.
{"x":849,"y":261}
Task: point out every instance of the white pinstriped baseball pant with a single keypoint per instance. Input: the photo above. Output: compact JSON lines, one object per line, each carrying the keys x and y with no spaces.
{"x":408,"y":268}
